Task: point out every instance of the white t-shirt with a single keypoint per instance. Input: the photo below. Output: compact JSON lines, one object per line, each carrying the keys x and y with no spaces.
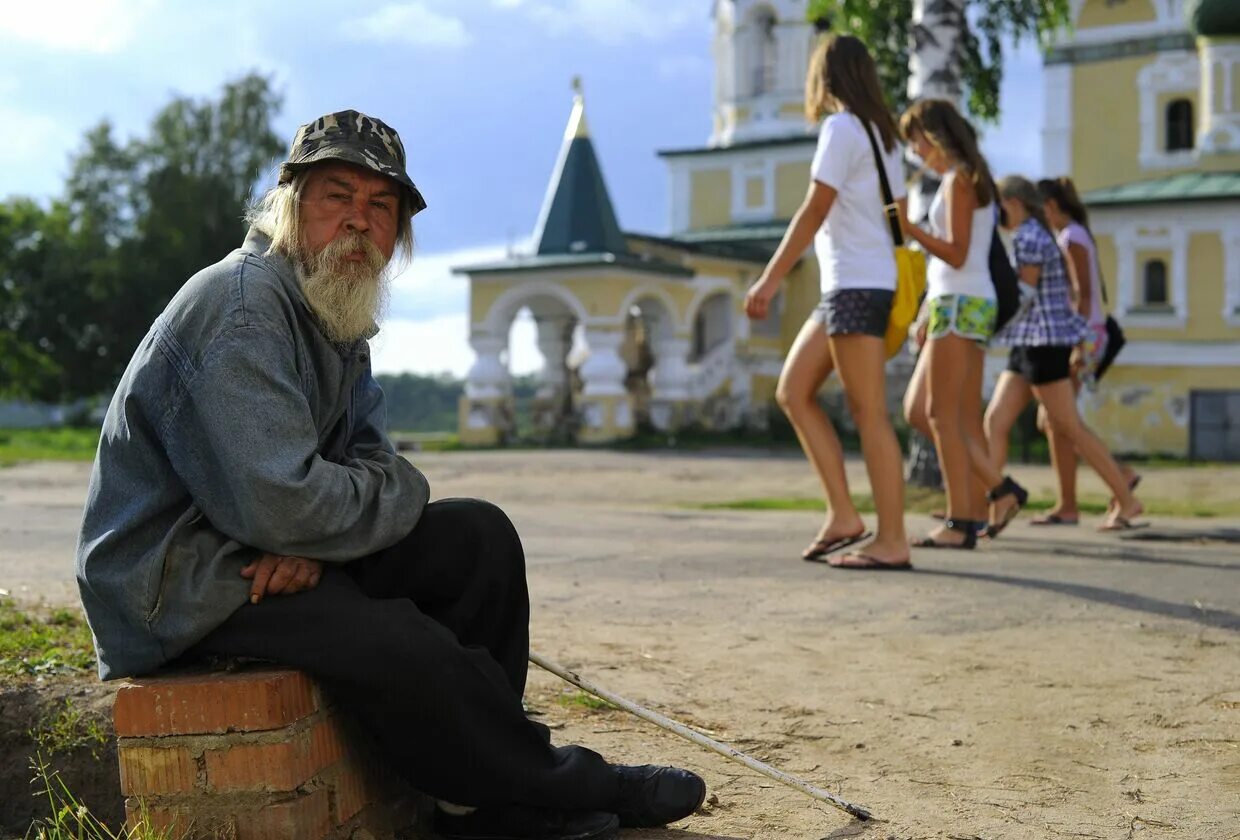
{"x":972,"y":278}
{"x":854,"y":245}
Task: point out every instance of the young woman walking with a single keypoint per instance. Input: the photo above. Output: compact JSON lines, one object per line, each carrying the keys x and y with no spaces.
{"x":843,"y":216}
{"x":1043,"y":338}
{"x":944,"y":399}
{"x":1067,"y":217}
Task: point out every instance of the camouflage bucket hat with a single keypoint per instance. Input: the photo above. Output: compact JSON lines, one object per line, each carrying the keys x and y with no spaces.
{"x":354,"y":138}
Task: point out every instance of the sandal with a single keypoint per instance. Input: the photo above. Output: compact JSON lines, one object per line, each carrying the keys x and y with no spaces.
{"x":968,"y":527}
{"x":1007,"y":487}
{"x":863,"y":561}
{"x":818,"y":551}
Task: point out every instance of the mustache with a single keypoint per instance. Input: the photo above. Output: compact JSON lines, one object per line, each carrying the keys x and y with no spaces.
{"x":336,"y":253}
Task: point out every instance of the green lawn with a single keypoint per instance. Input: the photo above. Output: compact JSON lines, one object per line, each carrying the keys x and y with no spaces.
{"x":64,"y":444}
{"x":921,"y":500}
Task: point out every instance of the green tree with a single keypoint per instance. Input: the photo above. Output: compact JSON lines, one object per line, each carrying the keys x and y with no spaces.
{"x":82,"y":280}
{"x":975,"y":53}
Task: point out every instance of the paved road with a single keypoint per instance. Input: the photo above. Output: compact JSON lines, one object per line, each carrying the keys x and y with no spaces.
{"x":1058,"y":683}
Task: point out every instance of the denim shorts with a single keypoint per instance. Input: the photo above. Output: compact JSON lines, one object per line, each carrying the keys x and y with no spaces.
{"x":962,"y":315}
{"x":864,"y":311}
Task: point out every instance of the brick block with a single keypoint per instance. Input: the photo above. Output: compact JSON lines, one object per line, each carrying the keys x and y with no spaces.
{"x":353,"y":788}
{"x":154,"y":770}
{"x":203,"y":703}
{"x":306,"y":818}
{"x":281,"y":766}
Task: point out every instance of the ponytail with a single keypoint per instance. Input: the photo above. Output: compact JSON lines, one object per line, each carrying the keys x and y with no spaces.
{"x":1063,"y":192}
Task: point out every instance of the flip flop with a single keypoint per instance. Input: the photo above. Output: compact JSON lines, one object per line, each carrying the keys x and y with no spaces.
{"x":1054,"y":519}
{"x":863,"y":561}
{"x":820,"y":550}
{"x":1122,"y":524}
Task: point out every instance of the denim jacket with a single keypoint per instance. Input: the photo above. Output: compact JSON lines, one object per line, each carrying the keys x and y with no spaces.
{"x":238,"y":428}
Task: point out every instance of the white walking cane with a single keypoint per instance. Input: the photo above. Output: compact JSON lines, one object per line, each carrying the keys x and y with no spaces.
{"x":700,"y":739}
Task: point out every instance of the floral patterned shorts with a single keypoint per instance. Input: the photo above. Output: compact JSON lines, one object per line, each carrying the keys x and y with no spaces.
{"x":962,"y":315}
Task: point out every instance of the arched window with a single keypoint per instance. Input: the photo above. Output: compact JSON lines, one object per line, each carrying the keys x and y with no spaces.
{"x":1154,"y":284}
{"x":764,"y":52}
{"x":1179,"y":125}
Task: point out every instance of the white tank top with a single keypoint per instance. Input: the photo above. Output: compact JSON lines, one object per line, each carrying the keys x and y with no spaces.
{"x":972,"y":278}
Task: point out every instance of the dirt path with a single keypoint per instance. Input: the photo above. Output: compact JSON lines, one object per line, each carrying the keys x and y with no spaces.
{"x":1055,"y":684}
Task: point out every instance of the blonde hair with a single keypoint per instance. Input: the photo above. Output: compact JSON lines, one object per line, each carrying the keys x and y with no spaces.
{"x":277,"y":215}
{"x":842,"y":73}
{"x":939,"y":122}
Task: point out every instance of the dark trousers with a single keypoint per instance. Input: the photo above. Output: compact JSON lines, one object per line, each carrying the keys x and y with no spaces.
{"x":425,"y":643}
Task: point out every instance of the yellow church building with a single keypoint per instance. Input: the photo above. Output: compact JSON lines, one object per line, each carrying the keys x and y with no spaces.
{"x":636,"y":329}
{"x":1142,"y":108}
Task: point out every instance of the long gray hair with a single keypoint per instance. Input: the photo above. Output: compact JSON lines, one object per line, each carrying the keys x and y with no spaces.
{"x":277,"y":214}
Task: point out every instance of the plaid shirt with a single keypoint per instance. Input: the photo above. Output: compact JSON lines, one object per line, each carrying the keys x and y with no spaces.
{"x":1050,"y":319}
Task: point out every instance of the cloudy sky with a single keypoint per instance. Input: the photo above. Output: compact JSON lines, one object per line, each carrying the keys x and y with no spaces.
{"x":478,"y":89}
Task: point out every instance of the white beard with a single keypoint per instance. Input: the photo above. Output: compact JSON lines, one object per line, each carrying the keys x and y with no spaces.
{"x":348,"y":297}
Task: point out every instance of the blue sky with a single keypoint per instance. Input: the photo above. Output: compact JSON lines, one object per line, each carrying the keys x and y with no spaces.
{"x":478,"y":89}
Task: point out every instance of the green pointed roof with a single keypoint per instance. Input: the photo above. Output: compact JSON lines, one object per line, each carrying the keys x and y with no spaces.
{"x":577,"y":216}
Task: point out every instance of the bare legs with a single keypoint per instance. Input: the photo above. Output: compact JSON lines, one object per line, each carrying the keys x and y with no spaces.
{"x":859,"y":359}
{"x":1059,"y":400}
{"x":1064,"y":459}
{"x":808,"y":366}
{"x":948,"y":379}
{"x":947,"y":374}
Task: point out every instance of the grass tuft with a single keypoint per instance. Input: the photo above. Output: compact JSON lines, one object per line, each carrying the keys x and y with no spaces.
{"x":582,"y":700}
{"x":68,"y":729}
{"x":72,"y":820}
{"x":33,"y":645}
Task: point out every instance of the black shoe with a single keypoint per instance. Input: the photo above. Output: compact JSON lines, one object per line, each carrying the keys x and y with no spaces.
{"x":651,"y":795}
{"x":521,"y":822}
{"x":968,"y":527}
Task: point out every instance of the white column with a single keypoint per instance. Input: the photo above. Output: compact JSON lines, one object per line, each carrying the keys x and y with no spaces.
{"x":603,"y":371}
{"x":670,"y":377}
{"x":488,"y":377}
{"x":1219,"y":108}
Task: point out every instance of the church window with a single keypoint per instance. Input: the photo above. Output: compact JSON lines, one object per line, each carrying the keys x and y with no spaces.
{"x":1154,"y":284}
{"x":1179,"y":125}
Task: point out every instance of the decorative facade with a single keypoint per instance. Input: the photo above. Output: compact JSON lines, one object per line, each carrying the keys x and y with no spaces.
{"x":649,"y":330}
{"x":1143,"y":110}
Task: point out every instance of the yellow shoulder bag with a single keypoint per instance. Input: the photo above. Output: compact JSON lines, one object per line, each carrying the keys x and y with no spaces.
{"x":910,"y":264}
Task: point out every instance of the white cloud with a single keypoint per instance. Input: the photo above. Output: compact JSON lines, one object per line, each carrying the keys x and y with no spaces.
{"x":615,"y":21}
{"x":428,"y":330}
{"x":410,"y":23}
{"x":441,"y":345}
{"x":93,"y":26}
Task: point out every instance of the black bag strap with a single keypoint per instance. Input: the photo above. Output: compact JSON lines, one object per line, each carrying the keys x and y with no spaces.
{"x":890,"y":209}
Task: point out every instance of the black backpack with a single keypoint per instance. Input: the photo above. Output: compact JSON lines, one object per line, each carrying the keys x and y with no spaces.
{"x":1003,"y":276}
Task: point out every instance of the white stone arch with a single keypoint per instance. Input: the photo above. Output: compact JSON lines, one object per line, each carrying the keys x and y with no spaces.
{"x":713,"y":323}
{"x":708,"y":289}
{"x":647,"y":292}
{"x":499,"y":317}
